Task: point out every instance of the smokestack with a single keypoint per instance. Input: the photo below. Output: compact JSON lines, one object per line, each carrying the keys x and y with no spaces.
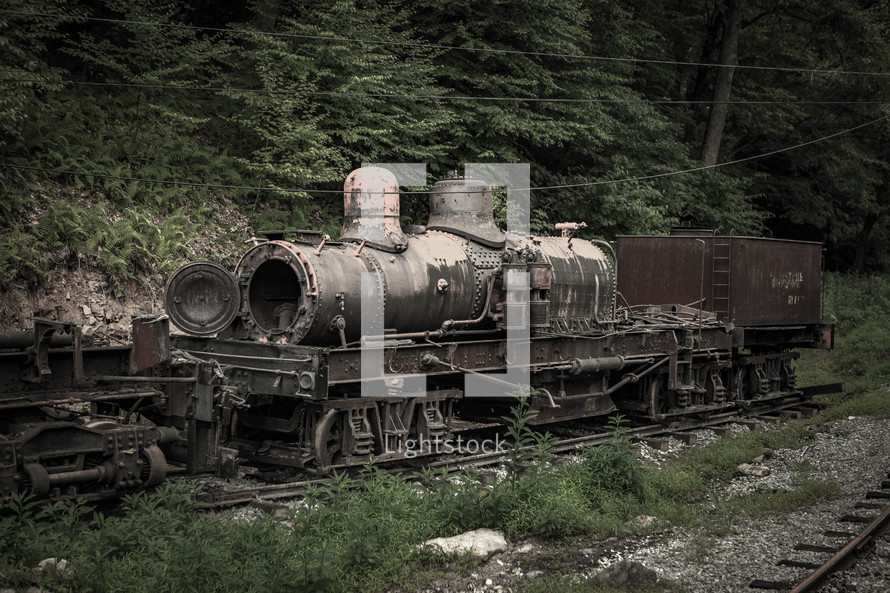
{"x":371,"y":209}
{"x":464,"y":207}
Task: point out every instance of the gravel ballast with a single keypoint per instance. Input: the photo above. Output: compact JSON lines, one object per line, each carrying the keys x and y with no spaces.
{"x":854,"y":453}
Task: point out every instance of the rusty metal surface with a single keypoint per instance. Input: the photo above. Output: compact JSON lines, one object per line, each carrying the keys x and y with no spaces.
{"x":582,"y":283}
{"x":297,"y":295}
{"x":846,"y":556}
{"x":264,"y":368}
{"x":95,"y":460}
{"x":371,"y":209}
{"x":24,"y":339}
{"x":464,"y":207}
{"x":110,"y":360}
{"x":808,"y":336}
{"x":151,"y":343}
{"x":665,"y":270}
{"x":748,"y":281}
{"x":775,"y":282}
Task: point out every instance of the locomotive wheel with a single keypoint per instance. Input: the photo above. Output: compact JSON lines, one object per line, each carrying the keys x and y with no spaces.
{"x":154,"y":466}
{"x":741,"y":383}
{"x":328,"y":438}
{"x":658,"y":404}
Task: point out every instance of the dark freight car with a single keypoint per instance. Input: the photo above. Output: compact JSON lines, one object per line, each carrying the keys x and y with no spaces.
{"x":748,"y":281}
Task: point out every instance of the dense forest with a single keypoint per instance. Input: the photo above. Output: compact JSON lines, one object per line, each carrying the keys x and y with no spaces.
{"x":125,"y":126}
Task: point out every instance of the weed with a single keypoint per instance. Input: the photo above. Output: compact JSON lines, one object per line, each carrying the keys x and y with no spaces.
{"x":521,"y":436}
{"x":613,"y":466}
{"x":460,"y":502}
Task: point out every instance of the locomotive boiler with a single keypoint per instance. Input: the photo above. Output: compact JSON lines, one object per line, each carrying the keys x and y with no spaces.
{"x":443,"y":277}
{"x":270,"y":362}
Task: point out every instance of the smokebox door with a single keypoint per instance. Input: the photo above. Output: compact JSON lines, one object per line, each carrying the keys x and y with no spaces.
{"x":202,"y":298}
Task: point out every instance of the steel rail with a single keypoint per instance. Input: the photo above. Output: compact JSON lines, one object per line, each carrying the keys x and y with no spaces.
{"x":846,"y":556}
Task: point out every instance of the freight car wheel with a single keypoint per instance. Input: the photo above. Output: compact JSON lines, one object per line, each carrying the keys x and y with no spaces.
{"x":328,"y":438}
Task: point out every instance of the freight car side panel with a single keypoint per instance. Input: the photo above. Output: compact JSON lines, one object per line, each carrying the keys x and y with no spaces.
{"x":775,"y":282}
{"x":770,"y":282}
{"x":665,"y":270}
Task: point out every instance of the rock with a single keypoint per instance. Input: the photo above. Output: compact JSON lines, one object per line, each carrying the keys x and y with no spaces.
{"x":525,"y":549}
{"x":643,"y":521}
{"x":54,"y":565}
{"x":628,"y":576}
{"x":758,"y":471}
{"x":87,"y":311}
{"x":480,"y":543}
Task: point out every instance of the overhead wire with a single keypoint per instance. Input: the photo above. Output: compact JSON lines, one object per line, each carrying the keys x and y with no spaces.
{"x":536,"y":188}
{"x":447,"y":47}
{"x":138,"y":85}
{"x":168,"y":181}
{"x":717,"y":165}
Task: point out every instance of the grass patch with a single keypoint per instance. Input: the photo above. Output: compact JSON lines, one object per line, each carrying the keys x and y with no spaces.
{"x":860,"y":308}
{"x":572,"y":584}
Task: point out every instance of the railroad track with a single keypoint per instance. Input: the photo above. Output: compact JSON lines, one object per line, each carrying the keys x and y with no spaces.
{"x":652,"y":434}
{"x":844,"y":555}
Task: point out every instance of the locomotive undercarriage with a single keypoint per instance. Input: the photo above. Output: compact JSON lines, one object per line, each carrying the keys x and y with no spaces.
{"x":346,"y":431}
{"x":713,"y":386}
{"x":657,"y":372}
{"x":70,"y":421}
{"x":76,"y":422}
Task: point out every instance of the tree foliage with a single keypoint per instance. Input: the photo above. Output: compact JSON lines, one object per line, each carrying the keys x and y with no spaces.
{"x":609,"y":102}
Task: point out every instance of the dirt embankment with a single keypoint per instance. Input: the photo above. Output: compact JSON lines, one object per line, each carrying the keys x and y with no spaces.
{"x":84,"y":296}
{"x":87,"y":296}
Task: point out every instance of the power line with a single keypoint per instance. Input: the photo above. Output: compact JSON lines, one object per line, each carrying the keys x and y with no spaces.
{"x":539,"y":188}
{"x":707,"y":167}
{"x":169,"y":182}
{"x":447,"y":47}
{"x":431,"y":97}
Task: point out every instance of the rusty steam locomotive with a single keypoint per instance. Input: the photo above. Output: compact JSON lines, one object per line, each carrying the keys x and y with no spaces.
{"x":270,"y":366}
